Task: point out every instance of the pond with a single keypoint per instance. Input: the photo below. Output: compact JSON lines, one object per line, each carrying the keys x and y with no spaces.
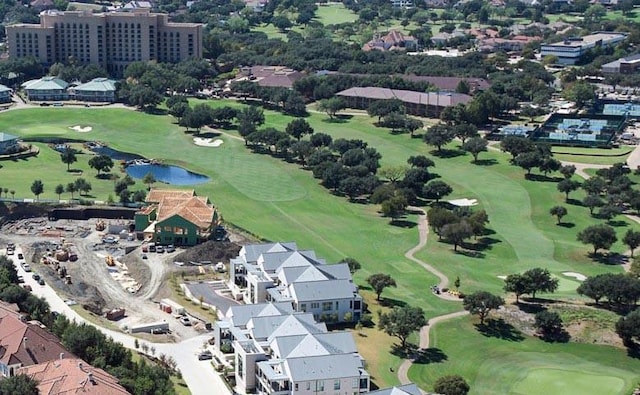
{"x":114,"y":154}
{"x":165,"y":173}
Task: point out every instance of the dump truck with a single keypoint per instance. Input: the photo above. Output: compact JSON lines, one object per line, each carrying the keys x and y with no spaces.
{"x":115,"y":314}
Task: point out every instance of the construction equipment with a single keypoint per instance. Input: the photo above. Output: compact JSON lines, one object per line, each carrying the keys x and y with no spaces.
{"x":67,"y":279}
{"x":100,"y":226}
{"x":110,"y":261}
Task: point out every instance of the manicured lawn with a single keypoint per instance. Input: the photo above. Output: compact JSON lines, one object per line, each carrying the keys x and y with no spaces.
{"x":279,"y":201}
{"x":525,"y":365}
{"x":335,"y":14}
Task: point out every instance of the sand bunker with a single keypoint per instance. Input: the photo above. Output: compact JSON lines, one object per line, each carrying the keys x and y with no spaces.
{"x":81,"y":129}
{"x":502,"y":277}
{"x":203,"y":142}
{"x":577,"y":276}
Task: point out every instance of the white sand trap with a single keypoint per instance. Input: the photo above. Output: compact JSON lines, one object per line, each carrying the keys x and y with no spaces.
{"x":203,"y":142}
{"x":577,"y":276}
{"x":81,"y":129}
{"x":502,"y":277}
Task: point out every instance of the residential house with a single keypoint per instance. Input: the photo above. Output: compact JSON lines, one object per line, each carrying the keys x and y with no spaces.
{"x":428,"y":104}
{"x":277,"y":351}
{"x":436,"y":3}
{"x":9,"y":143}
{"x":46,"y":89}
{"x":5,"y":94}
{"x":72,"y":376}
{"x":102,"y":90}
{"x":279,"y":272}
{"x":449,"y":84}
{"x":25,"y":344}
{"x":514,"y":44}
{"x":272,"y":76}
{"x":392,"y":41}
{"x":443,"y":38}
{"x":135,"y":5}
{"x":571,"y":50}
{"x":627,"y":65}
{"x":176,"y":217}
{"x":402,"y":3}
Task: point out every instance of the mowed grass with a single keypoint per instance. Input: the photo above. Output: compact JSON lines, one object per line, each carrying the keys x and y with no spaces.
{"x":335,"y":14}
{"x":597,"y":156}
{"x":526,"y":365}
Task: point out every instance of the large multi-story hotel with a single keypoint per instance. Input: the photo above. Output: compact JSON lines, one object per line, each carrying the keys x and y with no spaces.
{"x":111,"y":40}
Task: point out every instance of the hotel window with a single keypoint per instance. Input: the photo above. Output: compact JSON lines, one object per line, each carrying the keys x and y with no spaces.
{"x":319,"y":385}
{"x":315,"y":305}
{"x":303,"y":307}
{"x":326,"y":306}
{"x":336,"y":384}
{"x":308,"y":385}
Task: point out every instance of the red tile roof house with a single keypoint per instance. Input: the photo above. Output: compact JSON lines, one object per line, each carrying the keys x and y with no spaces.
{"x":425,"y":104}
{"x":25,"y":344}
{"x":393,"y":41}
{"x":72,"y":376}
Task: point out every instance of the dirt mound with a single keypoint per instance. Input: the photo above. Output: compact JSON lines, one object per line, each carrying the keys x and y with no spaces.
{"x":213,"y":251}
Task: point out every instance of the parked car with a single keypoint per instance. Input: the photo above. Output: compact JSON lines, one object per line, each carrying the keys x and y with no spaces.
{"x":20,"y":256}
{"x":144,"y":256}
{"x":159,"y":249}
{"x":205,"y":355}
{"x":171,"y":248}
{"x":26,"y":267}
{"x":41,"y":281}
{"x":20,"y":279}
{"x":152,"y":248}
{"x":184,"y":320}
{"x":36,"y":276}
{"x":9,"y":251}
{"x":145,"y":248}
{"x":27,"y":287}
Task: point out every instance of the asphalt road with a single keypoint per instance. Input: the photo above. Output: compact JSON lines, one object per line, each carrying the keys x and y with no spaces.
{"x":200,"y":376}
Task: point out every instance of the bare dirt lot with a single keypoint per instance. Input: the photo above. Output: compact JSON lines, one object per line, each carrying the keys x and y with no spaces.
{"x":132,"y":283}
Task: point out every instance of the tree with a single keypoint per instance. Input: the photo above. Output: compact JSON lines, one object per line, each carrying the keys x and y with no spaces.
{"x":420,"y":161}
{"x":628,"y":327}
{"x":437,"y":190}
{"x":548,"y":165}
{"x":451,"y":385}
{"x":37,"y":188}
{"x":528,"y":160}
{"x":331,"y":106}
{"x":592,"y":201}
{"x":567,"y":186}
{"x":594,"y":185}
{"x":82,"y":185}
{"x":101,"y":163}
{"x":439,"y":217}
{"x":393,"y":173}
{"x":475,"y":145}
{"x":632,"y":240}
{"x":558,"y":212}
{"x":68,"y":156}
{"x":281,"y":22}
{"x":394,"y":207}
{"x":59,"y":190}
{"x":379,"y":282}
{"x":609,"y":211}
{"x":438,"y":135}
{"x":540,"y":280}
{"x":599,"y":236}
{"x":149,"y":179}
{"x":71,"y":188}
{"x":298,"y":128}
{"x":20,"y":384}
{"x":548,"y":323}
{"x":394,"y":120}
{"x":518,"y":284}
{"x":143,"y":96}
{"x":382,"y":108}
{"x":597,"y":287}
{"x":200,"y":116}
{"x":179,"y":110}
{"x":412,"y":124}
{"x":516,"y":145}
{"x":457,"y":233}
{"x":481,"y":303}
{"x":353,"y":264}
{"x":580,"y":92}
{"x":568,"y":170}
{"x":401,"y":322}
{"x":465,"y":131}
{"x":594,"y":13}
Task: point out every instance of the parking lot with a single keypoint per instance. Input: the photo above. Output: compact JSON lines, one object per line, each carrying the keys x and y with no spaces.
{"x":210,"y":293}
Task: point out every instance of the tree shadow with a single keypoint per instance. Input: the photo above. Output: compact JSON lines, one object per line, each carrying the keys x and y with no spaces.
{"x":485,"y":162}
{"x":574,"y":202}
{"x":447,"y":153}
{"x":500,"y":330}
{"x":391,"y":303}
{"x":611,"y":258}
{"x":155,"y":111}
{"x":542,"y":178}
{"x":618,"y":224}
{"x":561,"y":336}
{"x":208,"y":135}
{"x":75,"y":171}
{"x":567,"y":225}
{"x":425,"y":356}
{"x":530,"y":308}
{"x":401,"y":223}
{"x":338,"y":119}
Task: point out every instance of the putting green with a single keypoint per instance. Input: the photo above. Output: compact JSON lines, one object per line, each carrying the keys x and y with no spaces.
{"x":566,"y":285}
{"x":547,"y":381}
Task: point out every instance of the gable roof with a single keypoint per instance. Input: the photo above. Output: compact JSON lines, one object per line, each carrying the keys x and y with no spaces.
{"x":72,"y":376}
{"x":321,"y":290}
{"x":196,"y":210}
{"x":251,"y":252}
{"x":413,"y":97}
{"x":321,"y":367}
{"x":240,"y":315}
{"x":157,"y":195}
{"x":407,"y":389}
{"x":26,"y":343}
{"x":4,"y":88}
{"x":313,"y":344}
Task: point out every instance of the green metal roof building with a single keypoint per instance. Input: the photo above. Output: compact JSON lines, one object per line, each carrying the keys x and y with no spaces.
{"x":97,"y":90}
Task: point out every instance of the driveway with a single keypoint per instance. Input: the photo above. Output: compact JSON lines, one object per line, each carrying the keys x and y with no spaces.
{"x":210,"y":296}
{"x":200,"y":376}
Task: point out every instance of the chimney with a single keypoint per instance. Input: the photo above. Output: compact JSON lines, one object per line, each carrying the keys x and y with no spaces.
{"x":61,"y":355}
{"x":90,"y":378}
{"x":24,"y":342}
{"x":80,"y":366}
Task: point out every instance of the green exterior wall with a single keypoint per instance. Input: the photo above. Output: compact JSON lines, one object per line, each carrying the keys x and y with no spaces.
{"x":166,"y":232}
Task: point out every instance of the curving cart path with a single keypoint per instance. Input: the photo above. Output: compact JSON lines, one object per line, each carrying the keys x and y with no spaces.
{"x":423,"y":232}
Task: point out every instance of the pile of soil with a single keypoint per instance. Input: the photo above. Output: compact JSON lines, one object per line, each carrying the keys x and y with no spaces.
{"x":213,"y":251}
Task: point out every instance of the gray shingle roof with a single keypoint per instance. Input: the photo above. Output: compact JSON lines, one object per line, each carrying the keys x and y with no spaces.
{"x":253,"y":251}
{"x":407,"y":389}
{"x":314,"y":344}
{"x":46,"y":83}
{"x":98,"y":85}
{"x":7,"y":137}
{"x":322,"y":290}
{"x":413,"y":97}
{"x":4,"y":88}
{"x":323,"y":367}
{"x":242,"y":314}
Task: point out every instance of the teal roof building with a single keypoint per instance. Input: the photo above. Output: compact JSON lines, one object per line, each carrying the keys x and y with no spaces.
{"x":97,"y":90}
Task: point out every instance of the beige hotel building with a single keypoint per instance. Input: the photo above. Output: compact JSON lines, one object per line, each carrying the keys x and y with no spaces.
{"x":111,"y":40}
